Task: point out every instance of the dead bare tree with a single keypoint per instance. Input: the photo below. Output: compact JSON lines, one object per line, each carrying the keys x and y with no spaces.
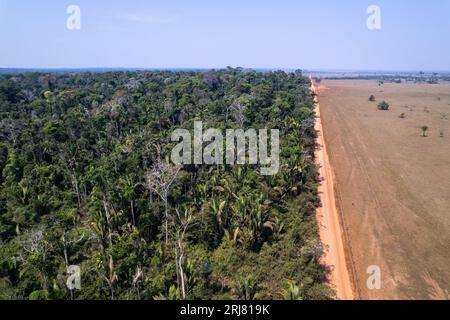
{"x":67,"y":243}
{"x":237,"y":110}
{"x":183,"y":221}
{"x":34,"y":243}
{"x":159,"y":179}
{"x":137,"y":281}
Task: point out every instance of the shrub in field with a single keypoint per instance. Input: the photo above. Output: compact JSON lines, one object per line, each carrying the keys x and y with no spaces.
{"x":383,"y":105}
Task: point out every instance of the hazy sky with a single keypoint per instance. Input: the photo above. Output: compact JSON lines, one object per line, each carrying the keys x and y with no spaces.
{"x":319,"y":34}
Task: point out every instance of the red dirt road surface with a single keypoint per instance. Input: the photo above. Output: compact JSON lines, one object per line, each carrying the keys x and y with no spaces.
{"x":328,"y":220}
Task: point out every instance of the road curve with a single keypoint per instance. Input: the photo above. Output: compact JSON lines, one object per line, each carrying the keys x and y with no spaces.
{"x":328,"y":218}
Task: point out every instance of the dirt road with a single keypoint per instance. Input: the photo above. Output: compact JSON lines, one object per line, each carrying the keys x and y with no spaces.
{"x":328,"y":220}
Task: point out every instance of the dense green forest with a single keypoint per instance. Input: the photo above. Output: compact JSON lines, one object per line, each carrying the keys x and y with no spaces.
{"x":79,"y":156}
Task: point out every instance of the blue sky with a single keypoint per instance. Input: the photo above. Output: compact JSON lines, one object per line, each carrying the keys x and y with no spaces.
{"x":320,"y":34}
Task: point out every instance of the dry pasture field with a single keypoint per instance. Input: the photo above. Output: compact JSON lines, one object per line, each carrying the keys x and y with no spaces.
{"x":392,"y":184}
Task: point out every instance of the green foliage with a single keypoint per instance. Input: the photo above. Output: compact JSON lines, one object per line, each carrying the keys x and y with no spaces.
{"x":74,"y":153}
{"x":247,"y":289}
{"x":292,"y":292}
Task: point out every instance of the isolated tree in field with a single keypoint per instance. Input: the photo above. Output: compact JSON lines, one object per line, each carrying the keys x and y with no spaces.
{"x":372,"y":98}
{"x":383,"y":105}
{"x":159,"y":179}
{"x":424,"y":130}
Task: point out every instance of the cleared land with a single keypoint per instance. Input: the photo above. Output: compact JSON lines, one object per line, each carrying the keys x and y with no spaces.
{"x":328,"y":219}
{"x":392,"y":184}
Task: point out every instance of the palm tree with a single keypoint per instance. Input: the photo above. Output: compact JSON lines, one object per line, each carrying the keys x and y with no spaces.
{"x":173,"y":294}
{"x":110,"y":277}
{"x":217,"y":208}
{"x":98,"y":225}
{"x":248,"y":289}
{"x":292,"y":292}
{"x":128,"y":189}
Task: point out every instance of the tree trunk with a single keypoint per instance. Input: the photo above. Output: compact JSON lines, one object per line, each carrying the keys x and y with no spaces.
{"x":176,"y":267}
{"x":66,"y":259}
{"x":183,"y":286}
{"x":105,"y":206}
{"x":138,"y":293}
{"x":166,"y":218}
{"x":112,"y":291}
{"x":77,"y":190}
{"x":132,"y":213}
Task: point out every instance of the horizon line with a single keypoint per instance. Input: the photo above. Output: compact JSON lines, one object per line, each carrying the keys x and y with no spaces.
{"x":309,"y":70}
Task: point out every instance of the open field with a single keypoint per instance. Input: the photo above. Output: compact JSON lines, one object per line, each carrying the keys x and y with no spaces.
{"x":392,"y":184}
